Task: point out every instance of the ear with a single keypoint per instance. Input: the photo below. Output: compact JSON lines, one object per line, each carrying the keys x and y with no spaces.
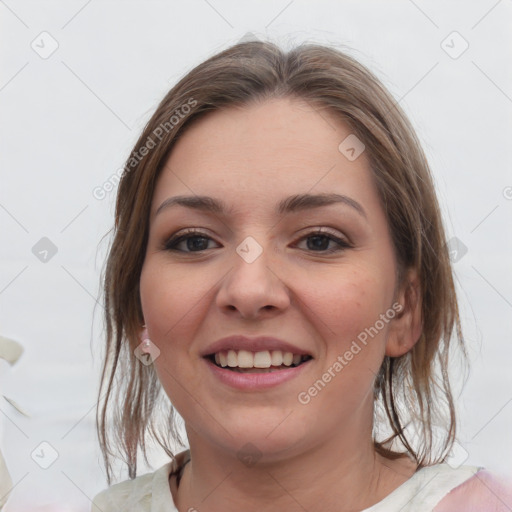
{"x":406,"y":327}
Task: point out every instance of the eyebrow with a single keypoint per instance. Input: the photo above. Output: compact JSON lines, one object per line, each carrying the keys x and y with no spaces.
{"x":298,"y":202}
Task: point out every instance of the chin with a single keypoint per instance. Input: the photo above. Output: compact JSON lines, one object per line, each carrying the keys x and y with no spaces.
{"x":269,"y":436}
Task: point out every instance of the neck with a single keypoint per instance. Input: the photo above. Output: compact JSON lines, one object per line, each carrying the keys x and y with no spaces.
{"x":336,"y":475}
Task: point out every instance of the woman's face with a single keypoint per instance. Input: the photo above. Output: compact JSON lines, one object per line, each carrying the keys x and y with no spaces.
{"x":254,"y":270}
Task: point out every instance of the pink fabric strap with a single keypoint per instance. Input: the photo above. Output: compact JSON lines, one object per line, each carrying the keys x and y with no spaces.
{"x":484,"y":491}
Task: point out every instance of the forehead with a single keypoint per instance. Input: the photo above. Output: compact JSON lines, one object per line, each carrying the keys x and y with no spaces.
{"x":262,"y":152}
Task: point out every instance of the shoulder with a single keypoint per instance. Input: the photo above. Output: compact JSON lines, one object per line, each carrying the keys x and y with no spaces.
{"x":483,"y":491}
{"x":143,"y":493}
{"x":130,"y":495}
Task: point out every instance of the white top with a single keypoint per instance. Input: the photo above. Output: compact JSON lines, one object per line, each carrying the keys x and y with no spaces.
{"x":151,"y":492}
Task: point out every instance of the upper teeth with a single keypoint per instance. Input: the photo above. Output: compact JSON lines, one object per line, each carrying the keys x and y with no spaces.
{"x":264,"y":359}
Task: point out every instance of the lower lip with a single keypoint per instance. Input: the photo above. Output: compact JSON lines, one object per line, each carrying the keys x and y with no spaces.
{"x":255,"y":381}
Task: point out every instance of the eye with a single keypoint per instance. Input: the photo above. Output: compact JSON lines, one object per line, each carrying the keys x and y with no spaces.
{"x":320,"y":240}
{"x":195,"y":241}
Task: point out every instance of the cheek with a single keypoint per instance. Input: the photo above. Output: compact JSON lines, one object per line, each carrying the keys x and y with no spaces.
{"x":169,"y":300}
{"x":349,"y":304}
{"x":345,"y":313}
{"x":171,"y":297}
{"x":175,"y":302}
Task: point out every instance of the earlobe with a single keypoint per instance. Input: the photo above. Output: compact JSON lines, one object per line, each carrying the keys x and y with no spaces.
{"x":143,"y":334}
{"x":405,"y":329}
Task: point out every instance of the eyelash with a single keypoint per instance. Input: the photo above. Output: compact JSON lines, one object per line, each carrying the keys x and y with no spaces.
{"x":171,"y":244}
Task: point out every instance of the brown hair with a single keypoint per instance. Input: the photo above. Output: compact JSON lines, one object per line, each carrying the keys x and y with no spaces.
{"x":413,"y":388}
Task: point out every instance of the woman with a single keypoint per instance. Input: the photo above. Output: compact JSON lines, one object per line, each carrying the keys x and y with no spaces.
{"x":279,"y":270}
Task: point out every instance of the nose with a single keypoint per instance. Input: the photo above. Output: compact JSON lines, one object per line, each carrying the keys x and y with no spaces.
{"x":253,"y":288}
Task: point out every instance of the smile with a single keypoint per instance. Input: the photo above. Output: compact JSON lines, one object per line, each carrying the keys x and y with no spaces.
{"x":256,"y":371}
{"x":265,"y":361}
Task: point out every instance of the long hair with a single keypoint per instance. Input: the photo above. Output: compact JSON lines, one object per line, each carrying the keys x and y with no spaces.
{"x":411,"y":389}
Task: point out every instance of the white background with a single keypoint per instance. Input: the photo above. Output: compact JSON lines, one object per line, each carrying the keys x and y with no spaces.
{"x":70,"y":120}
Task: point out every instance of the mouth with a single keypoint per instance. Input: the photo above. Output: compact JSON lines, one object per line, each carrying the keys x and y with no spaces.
{"x":267,"y":361}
